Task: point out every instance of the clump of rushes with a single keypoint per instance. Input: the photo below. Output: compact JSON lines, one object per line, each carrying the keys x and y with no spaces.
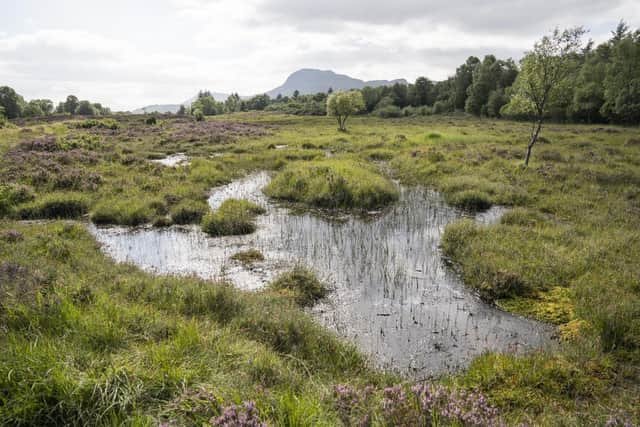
{"x":470,"y":200}
{"x":54,"y":206}
{"x":233,"y":217}
{"x":248,"y":257}
{"x":122,"y":212}
{"x":342,"y":184}
{"x":188,"y":212}
{"x":302,"y":284}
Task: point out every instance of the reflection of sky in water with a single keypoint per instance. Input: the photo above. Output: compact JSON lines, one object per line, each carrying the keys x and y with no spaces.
{"x":393,"y":295}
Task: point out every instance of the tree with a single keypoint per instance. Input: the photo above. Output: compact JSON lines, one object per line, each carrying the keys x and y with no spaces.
{"x":85,"y":108}
{"x":423,"y":91}
{"x":296,"y":94}
{"x":12,"y":103}
{"x":71,"y":104}
{"x":232,"y":103}
{"x":206,"y":105}
{"x":462,"y":81}
{"x":544,"y":72}
{"x":341,"y":105}
{"x":622,"y":81}
{"x":182,"y":110}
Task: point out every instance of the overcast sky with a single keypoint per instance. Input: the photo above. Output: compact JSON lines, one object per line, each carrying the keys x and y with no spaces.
{"x":126,"y":54}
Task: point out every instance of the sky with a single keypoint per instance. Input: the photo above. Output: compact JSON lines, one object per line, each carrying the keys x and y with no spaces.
{"x":126,"y":54}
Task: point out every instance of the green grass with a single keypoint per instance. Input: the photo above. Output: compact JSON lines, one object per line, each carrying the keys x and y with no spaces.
{"x":233,"y":217}
{"x":85,"y":341}
{"x":249,"y":256}
{"x":302,"y":285}
{"x":333,"y":184}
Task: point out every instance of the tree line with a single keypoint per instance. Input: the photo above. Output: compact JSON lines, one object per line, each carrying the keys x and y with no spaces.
{"x":13,"y":106}
{"x":601,"y":85}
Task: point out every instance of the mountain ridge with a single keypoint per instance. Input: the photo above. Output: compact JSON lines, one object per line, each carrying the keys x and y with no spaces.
{"x":305,"y":81}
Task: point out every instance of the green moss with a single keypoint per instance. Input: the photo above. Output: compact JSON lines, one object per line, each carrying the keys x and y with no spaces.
{"x":333,"y":184}
{"x":233,"y":217}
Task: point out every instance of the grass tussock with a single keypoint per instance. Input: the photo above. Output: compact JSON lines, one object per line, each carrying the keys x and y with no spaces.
{"x":233,"y":217}
{"x":302,"y":284}
{"x":333,"y":184}
{"x":249,"y":256}
{"x":54,"y":206}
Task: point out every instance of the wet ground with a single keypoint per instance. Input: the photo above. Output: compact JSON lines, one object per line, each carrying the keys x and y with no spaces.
{"x":393,"y":296}
{"x":173,"y":160}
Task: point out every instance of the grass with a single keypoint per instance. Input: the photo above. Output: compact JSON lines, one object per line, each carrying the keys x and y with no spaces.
{"x":333,"y":184}
{"x":233,"y":217}
{"x":303,"y":285}
{"x":249,"y":256}
{"x":86,"y":341}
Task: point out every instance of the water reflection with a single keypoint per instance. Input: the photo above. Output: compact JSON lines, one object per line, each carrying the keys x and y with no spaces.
{"x":393,"y":295}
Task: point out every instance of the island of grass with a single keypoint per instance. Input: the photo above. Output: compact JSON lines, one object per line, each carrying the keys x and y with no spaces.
{"x":333,"y":184}
{"x":233,"y":217}
{"x":302,"y":285}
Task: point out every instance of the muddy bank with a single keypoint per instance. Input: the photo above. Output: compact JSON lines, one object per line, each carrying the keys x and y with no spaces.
{"x":393,"y":296}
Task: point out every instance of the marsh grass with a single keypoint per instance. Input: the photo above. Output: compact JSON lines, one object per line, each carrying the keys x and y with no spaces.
{"x":302,"y":284}
{"x":87,"y":342}
{"x":333,"y":184}
{"x":248,"y":257}
{"x":233,"y":217}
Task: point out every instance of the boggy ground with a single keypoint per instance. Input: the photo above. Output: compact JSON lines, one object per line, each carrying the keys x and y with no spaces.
{"x":86,"y":341}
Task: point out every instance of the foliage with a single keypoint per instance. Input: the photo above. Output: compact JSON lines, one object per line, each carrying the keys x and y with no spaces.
{"x":341,"y":105}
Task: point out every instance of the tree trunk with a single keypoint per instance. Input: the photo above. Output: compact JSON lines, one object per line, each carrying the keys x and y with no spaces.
{"x":534,"y":138}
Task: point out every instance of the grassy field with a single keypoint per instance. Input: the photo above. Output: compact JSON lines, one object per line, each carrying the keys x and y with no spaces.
{"x":86,"y":341}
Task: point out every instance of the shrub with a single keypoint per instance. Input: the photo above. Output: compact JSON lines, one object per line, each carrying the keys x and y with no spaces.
{"x":189,"y":212}
{"x":390,"y":111}
{"x":100,"y":124}
{"x":233,"y":217}
{"x":333,"y":184}
{"x":302,"y":284}
{"x":55,"y":206}
{"x":151,"y":120}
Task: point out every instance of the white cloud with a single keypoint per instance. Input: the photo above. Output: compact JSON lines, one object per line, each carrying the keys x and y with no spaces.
{"x":127,"y":54}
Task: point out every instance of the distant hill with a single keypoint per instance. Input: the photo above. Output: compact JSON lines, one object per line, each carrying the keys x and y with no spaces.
{"x":305,"y":81}
{"x":173,"y":108}
{"x":308,"y":81}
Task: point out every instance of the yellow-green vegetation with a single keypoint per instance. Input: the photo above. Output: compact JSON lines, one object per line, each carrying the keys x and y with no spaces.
{"x":85,"y":341}
{"x":233,"y":217}
{"x":302,"y":284}
{"x":333,"y":184}
{"x":249,"y":256}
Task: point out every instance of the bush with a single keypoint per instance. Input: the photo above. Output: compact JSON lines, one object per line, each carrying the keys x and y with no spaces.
{"x":189,"y":212}
{"x":333,"y":184}
{"x":303,"y":284}
{"x":151,"y":120}
{"x":55,"y":206}
{"x":233,"y":217}
{"x":389,"y":111}
{"x":100,"y":124}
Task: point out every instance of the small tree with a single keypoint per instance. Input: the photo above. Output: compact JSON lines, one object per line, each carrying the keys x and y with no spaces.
{"x":341,"y":105}
{"x":545,"y":71}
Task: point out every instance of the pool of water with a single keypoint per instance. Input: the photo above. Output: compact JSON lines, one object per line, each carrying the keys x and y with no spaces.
{"x":392,"y":294}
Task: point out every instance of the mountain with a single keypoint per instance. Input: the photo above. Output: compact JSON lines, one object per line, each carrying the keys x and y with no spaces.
{"x":308,"y":81}
{"x":305,"y":81}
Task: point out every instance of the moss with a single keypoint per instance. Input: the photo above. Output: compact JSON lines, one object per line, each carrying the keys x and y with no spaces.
{"x":333,"y":184}
{"x":553,"y":306}
{"x":233,"y":217}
